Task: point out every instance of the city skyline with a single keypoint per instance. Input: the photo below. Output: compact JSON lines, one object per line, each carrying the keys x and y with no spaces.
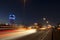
{"x":35,"y":10}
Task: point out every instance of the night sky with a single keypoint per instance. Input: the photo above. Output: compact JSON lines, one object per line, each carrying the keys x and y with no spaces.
{"x":33,"y":11}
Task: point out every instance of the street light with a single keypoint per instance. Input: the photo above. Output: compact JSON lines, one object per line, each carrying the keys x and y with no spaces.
{"x":59,"y":25}
{"x":35,"y":24}
{"x":44,"y":18}
{"x":47,"y":22}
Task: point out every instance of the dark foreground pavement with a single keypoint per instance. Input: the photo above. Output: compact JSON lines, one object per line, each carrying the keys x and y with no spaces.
{"x":56,"y":34}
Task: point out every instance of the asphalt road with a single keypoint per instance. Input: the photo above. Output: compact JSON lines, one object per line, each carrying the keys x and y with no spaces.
{"x":8,"y":35}
{"x":40,"y":35}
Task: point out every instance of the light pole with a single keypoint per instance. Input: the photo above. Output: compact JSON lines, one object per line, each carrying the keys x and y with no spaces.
{"x":24,"y":3}
{"x":24,"y":7}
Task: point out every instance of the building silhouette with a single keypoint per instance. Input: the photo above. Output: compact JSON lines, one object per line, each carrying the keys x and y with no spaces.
{"x":12,"y":19}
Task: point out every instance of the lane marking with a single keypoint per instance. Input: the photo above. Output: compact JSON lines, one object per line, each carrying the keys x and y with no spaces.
{"x":44,"y":35}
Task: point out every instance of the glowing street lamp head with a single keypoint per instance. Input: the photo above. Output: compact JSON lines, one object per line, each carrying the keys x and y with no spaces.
{"x":47,"y":22}
{"x":35,"y":23}
{"x":44,"y":18}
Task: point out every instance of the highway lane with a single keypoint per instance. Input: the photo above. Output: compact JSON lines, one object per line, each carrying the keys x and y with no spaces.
{"x":31,"y":34}
{"x":16,"y":34}
{"x":41,"y":35}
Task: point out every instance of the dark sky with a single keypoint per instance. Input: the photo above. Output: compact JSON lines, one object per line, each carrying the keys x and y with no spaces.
{"x":34,"y":10}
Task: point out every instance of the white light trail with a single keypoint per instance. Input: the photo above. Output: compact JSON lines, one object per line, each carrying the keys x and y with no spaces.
{"x":19,"y":34}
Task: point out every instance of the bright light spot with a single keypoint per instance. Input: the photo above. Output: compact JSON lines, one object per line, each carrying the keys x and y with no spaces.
{"x":42,"y":28}
{"x":44,"y":18}
{"x":49,"y":26}
{"x":47,"y":22}
{"x":59,"y":25}
{"x":31,"y":31}
{"x":6,"y":23}
{"x":35,"y":23}
{"x":58,"y":28}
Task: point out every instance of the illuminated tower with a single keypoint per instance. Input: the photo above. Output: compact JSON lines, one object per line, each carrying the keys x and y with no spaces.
{"x":12,"y":19}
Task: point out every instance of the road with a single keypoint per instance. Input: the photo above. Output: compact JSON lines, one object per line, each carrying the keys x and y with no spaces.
{"x":41,"y":35}
{"x":12,"y":34}
{"x":31,"y":34}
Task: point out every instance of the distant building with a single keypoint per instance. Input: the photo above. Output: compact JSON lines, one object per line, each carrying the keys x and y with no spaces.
{"x":12,"y":19}
{"x":10,"y":25}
